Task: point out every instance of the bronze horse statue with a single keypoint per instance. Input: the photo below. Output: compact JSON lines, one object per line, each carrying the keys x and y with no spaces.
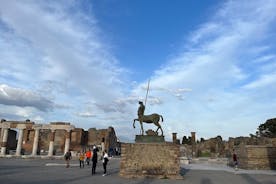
{"x":152,"y":118}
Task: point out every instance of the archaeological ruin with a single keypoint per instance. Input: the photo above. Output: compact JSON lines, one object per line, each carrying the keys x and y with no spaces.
{"x":253,"y":152}
{"x":28,"y":138}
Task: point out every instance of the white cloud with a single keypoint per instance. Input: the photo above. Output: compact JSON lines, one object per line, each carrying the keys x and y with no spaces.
{"x":23,"y":98}
{"x":55,"y":50}
{"x":86,"y":114}
{"x":220,"y":67}
{"x":264,"y":81}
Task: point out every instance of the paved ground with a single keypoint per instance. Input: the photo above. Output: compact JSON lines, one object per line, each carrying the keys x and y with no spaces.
{"x":53,"y":171}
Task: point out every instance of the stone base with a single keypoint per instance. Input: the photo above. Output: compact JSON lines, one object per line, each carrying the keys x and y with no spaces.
{"x":156,"y":160}
{"x":149,"y":139}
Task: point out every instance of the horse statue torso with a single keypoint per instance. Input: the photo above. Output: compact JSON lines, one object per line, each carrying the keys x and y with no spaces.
{"x":152,"y":118}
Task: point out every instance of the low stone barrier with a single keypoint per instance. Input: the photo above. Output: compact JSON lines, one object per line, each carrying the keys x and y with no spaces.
{"x":257,"y":157}
{"x":159,"y":160}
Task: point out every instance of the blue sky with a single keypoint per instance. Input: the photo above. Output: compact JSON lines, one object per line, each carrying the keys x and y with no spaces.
{"x":212,"y":64}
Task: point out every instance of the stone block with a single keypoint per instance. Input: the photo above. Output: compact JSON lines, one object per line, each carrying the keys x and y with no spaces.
{"x":157,"y":160}
{"x":149,"y":138}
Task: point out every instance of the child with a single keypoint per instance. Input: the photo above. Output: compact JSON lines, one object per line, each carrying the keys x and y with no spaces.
{"x":105,"y":160}
{"x":88,"y":156}
{"x":81,"y":158}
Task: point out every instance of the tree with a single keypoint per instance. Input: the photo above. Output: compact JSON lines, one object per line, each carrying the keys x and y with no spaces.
{"x":267,"y":129}
{"x":186,"y":140}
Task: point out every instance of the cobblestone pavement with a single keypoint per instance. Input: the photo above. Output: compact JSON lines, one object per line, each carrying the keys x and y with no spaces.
{"x":42,"y":171}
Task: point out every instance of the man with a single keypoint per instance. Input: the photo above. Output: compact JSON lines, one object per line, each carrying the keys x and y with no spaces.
{"x":94,"y":159}
{"x":67,"y":158}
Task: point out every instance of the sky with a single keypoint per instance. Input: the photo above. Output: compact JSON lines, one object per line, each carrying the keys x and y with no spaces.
{"x":211,"y":64}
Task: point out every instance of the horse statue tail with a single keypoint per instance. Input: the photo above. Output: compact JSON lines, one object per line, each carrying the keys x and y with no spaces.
{"x":161,"y":117}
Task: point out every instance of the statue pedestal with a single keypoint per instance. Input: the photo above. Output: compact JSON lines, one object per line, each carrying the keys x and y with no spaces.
{"x":149,"y":139}
{"x":157,"y":160}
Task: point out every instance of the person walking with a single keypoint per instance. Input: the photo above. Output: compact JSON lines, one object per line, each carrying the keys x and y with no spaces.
{"x":235,"y":160}
{"x":88,"y":155}
{"x":105,"y":160}
{"x":67,"y":158}
{"x":81,"y":159}
{"x":94,"y":159}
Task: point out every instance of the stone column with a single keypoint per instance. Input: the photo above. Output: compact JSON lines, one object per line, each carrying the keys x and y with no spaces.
{"x":19,"y":142}
{"x":4,"y":141}
{"x":174,"y":137}
{"x":103,"y":145}
{"x":35,"y":143}
{"x":51,"y":144}
{"x":193,"y":143}
{"x":67,"y":141}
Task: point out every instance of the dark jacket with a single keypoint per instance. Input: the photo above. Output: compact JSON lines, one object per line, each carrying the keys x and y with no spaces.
{"x":95,"y":155}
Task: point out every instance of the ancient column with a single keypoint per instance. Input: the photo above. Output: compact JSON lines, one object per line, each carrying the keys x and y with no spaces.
{"x":4,"y":141}
{"x":51,"y":144}
{"x":103,"y":145}
{"x":193,"y":139}
{"x":67,"y":141}
{"x":35,"y":143}
{"x":19,"y":142}
{"x":174,"y":137}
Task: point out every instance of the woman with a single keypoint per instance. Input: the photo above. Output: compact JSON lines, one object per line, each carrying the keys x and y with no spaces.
{"x":81,"y":159}
{"x":105,"y":160}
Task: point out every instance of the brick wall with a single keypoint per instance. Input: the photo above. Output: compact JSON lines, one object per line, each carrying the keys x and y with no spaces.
{"x":159,"y":160}
{"x":256,"y":157}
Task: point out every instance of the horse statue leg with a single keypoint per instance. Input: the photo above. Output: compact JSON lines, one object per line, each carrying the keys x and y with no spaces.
{"x":141,"y":123}
{"x":161,"y":130}
{"x":134,"y":122}
{"x":157,"y":130}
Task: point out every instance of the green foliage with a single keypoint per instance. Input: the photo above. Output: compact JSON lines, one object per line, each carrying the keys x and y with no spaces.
{"x":186,"y":140}
{"x":267,"y":129}
{"x":204,"y":154}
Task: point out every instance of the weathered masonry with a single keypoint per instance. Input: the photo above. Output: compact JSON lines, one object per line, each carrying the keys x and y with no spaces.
{"x":56,"y":138}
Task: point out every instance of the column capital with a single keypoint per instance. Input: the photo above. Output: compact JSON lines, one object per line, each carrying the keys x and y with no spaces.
{"x":5,"y":125}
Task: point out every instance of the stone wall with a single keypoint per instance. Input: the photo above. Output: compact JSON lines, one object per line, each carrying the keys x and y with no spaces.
{"x":52,"y":139}
{"x":159,"y":160}
{"x":256,"y":157}
{"x":77,"y":139}
{"x":96,"y":137}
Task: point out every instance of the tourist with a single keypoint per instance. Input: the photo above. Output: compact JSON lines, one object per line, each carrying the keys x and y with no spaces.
{"x":235,"y":160}
{"x":105,"y":160}
{"x":67,"y":158}
{"x":81,"y":159}
{"x":94,"y":159}
{"x":88,"y":156}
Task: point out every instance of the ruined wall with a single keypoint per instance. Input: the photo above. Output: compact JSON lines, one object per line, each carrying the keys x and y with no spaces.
{"x":77,"y":139}
{"x":28,"y":138}
{"x":95,"y":137}
{"x":159,"y":160}
{"x":44,"y":140}
{"x":214,"y":147}
{"x":256,"y":156}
